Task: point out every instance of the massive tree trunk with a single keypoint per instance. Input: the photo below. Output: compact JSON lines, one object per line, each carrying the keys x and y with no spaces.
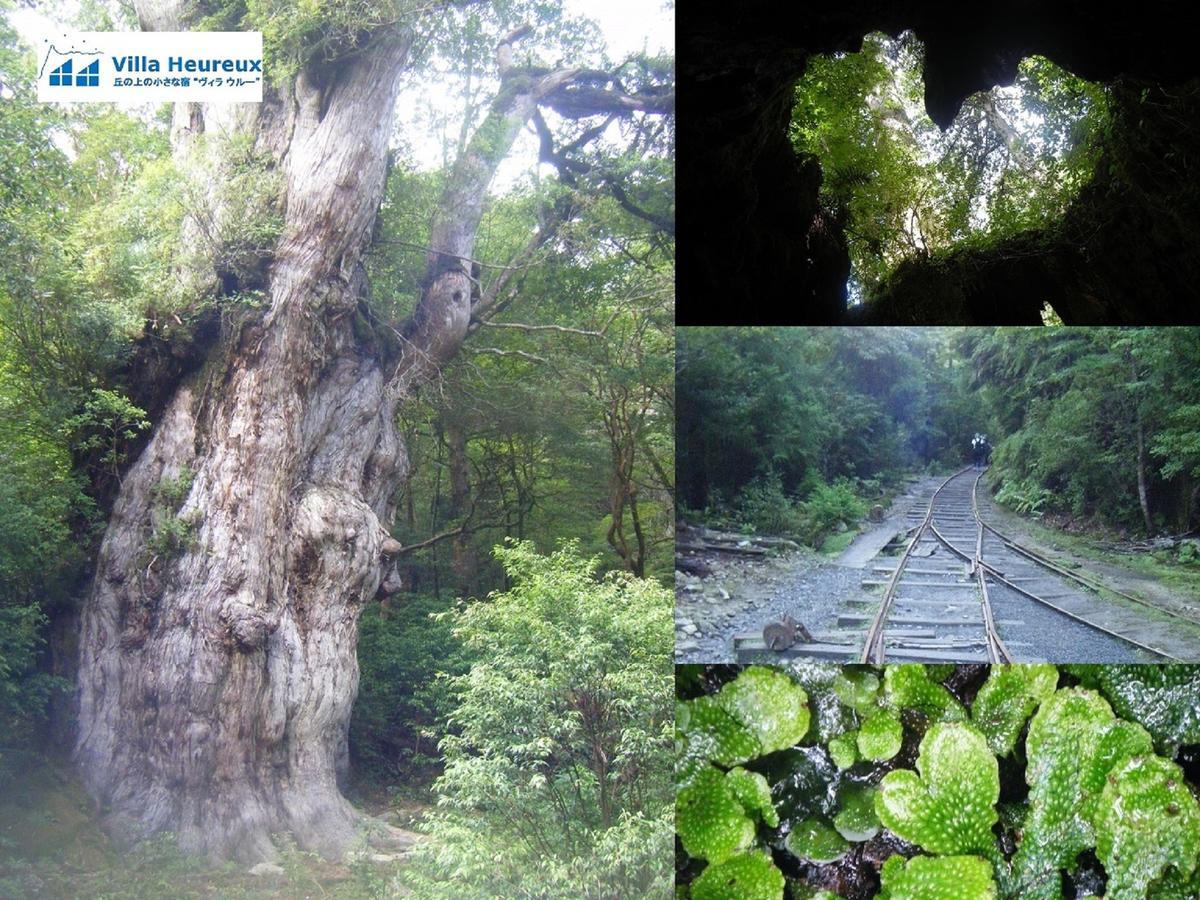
{"x":218,"y":664}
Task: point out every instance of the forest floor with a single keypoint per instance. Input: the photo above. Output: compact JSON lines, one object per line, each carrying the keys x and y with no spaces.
{"x":51,"y":846}
{"x":744,"y":594}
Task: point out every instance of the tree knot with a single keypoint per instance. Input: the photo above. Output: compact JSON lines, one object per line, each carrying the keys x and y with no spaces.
{"x":245,"y":624}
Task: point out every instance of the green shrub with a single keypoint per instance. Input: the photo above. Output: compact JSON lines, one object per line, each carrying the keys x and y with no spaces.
{"x":763,"y":506}
{"x":831,"y":505}
{"x":404,"y":656}
{"x":558,"y":778}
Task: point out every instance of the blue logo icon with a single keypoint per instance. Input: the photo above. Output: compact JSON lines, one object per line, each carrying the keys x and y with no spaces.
{"x":88,"y":76}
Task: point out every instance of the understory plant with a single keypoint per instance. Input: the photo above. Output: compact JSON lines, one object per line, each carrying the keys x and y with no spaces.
{"x":915,"y":782}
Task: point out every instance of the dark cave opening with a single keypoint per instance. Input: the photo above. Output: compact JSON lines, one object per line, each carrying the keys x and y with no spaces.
{"x":1126,"y":249}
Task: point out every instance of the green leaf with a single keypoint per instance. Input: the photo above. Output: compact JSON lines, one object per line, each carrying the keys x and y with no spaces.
{"x":949,"y":807}
{"x":754,"y":794}
{"x":710,"y":821}
{"x":856,"y":820}
{"x":771,"y":706}
{"x":1074,"y":740}
{"x":880,"y":736}
{"x":857,"y":688}
{"x":816,"y":842}
{"x":1009,"y":697}
{"x":943,"y":878}
{"x":1165,"y":699}
{"x":908,"y":686}
{"x":749,"y":876}
{"x":712,"y":733}
{"x":843,"y":749}
{"x":1146,"y":820}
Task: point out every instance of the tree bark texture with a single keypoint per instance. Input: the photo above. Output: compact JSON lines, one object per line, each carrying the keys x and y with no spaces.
{"x":218,"y":671}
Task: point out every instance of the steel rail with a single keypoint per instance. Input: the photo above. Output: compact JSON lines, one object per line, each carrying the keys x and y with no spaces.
{"x":873,"y":648}
{"x":996,"y":575}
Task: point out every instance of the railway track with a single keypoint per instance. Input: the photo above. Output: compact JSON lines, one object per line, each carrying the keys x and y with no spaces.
{"x":959,"y":582}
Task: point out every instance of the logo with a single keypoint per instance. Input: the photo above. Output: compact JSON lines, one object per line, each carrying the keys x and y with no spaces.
{"x":74,"y":67}
{"x":152,"y":66}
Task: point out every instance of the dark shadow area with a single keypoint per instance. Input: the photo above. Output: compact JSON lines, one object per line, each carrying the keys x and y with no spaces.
{"x":1126,"y":250}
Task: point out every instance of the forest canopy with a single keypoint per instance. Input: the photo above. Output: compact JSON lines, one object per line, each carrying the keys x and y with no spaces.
{"x":1012,"y":159}
{"x":793,"y":429}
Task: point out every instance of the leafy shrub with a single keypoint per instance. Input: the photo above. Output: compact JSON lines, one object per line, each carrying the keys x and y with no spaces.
{"x":404,"y":654}
{"x":831,"y":505}
{"x":764,"y":506}
{"x":557,"y":780}
{"x":1078,"y":776}
{"x":24,"y":691}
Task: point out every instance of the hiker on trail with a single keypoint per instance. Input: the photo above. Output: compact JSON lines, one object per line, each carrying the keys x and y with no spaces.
{"x":981,"y":450}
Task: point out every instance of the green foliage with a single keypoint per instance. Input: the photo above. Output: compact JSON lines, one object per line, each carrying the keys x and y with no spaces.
{"x":1164,"y":699}
{"x":879,"y":736}
{"x":1074,"y":739}
{"x":856,"y":820}
{"x":1012,"y":159}
{"x":710,"y":818}
{"x":948,"y":805}
{"x":1146,"y":820}
{"x":405,"y":654}
{"x":909,"y":686}
{"x":557,"y":773}
{"x":940,"y":878}
{"x":814,"y":841}
{"x":24,"y":690}
{"x":771,"y":706}
{"x":750,"y":876}
{"x":1072,"y":403}
{"x":843,"y":749}
{"x":753,"y":793}
{"x":1094,"y":784}
{"x":1006,"y":701}
{"x":796,"y":431}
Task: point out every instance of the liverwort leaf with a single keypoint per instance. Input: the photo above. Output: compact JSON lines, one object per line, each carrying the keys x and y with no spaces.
{"x":909,"y":686}
{"x":710,"y":821}
{"x":748,"y":876}
{"x":1007,"y":699}
{"x":880,"y":736}
{"x":948,"y":806}
{"x":1074,"y":740}
{"x":1146,"y":820}
{"x":941,"y":878}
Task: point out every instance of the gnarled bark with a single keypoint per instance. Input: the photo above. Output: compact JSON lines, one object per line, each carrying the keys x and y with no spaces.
{"x":218,"y":640}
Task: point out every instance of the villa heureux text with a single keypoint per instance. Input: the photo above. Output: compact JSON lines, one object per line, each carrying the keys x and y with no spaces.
{"x":184,"y":64}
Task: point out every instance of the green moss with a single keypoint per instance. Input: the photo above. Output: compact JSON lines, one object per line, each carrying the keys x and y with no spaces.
{"x":749,"y":876}
{"x":948,"y":805}
{"x":1146,"y":820}
{"x":816,"y":842}
{"x":945,"y":878}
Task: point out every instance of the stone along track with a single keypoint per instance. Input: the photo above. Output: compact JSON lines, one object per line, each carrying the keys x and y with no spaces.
{"x":963,"y":591}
